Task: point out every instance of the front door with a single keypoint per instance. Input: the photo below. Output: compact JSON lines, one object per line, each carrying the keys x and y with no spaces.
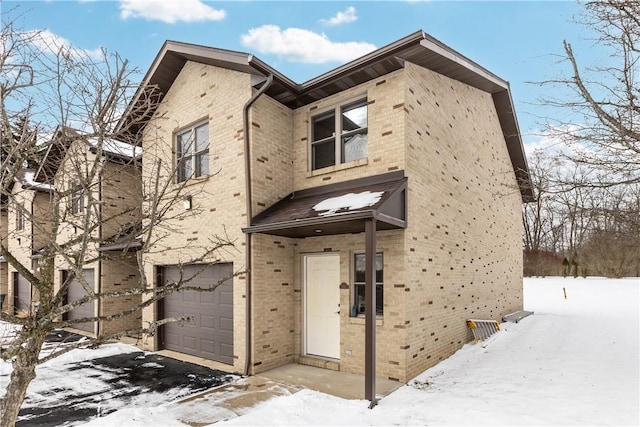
{"x":322,"y":305}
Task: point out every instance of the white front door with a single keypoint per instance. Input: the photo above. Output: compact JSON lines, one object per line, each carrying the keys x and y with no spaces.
{"x":322,"y":305}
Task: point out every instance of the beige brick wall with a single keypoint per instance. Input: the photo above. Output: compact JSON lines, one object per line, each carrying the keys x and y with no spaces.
{"x":120,"y":197}
{"x":201,"y":92}
{"x":463,"y":244}
{"x":4,"y":267}
{"x":385,"y":133}
{"x":22,"y":243}
{"x":118,"y":274}
{"x":390,"y":334}
{"x":116,"y":189}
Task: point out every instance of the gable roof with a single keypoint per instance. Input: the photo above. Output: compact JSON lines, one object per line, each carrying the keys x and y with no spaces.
{"x":418,"y":48}
{"x":111,"y":149}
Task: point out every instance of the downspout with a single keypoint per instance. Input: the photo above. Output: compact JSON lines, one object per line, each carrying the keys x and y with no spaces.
{"x":99,"y":326}
{"x":247,"y":166}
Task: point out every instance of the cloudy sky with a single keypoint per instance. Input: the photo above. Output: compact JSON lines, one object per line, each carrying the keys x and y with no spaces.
{"x":516,"y":40}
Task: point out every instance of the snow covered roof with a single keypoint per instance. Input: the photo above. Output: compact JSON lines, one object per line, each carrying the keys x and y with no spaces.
{"x":26,"y":178}
{"x":117,"y":148}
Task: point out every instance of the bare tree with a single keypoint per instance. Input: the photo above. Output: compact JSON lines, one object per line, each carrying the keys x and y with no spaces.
{"x":75,"y":98}
{"x":600,"y":101}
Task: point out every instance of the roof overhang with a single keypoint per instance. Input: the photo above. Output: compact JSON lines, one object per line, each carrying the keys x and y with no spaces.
{"x":418,"y":48}
{"x":298,"y":215}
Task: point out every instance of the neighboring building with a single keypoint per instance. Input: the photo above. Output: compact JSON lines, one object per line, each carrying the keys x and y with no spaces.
{"x":4,"y":272}
{"x":29,"y":206}
{"x":409,"y":157}
{"x":101,"y":182}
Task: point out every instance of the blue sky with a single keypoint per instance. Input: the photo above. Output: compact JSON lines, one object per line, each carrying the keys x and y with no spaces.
{"x":513,"y":39}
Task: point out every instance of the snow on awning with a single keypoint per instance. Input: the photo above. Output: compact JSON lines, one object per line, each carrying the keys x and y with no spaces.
{"x":337,"y":208}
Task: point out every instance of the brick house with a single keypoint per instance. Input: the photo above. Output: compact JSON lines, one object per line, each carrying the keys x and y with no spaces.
{"x":27,"y":212}
{"x":100,"y":182}
{"x":401,"y":171}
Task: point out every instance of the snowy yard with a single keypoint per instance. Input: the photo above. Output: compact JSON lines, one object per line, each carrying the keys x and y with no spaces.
{"x":574,"y":362}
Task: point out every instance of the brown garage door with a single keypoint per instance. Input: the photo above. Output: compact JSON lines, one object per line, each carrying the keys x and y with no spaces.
{"x":75,"y":292}
{"x":21,"y":294}
{"x":210,"y":334}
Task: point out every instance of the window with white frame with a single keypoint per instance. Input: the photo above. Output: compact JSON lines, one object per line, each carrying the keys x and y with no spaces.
{"x":192,"y":152}
{"x":339,"y":135}
{"x":359,"y":267}
{"x":77,"y":199}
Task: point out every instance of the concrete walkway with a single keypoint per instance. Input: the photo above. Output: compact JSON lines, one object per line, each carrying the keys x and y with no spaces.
{"x":235,"y":399}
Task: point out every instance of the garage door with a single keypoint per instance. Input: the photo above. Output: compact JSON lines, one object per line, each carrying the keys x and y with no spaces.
{"x":75,"y":292}
{"x":210,"y":334}
{"x":21,"y":293}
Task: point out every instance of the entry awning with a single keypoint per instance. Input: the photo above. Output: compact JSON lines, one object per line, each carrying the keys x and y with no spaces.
{"x":337,"y":208}
{"x":129,"y":241}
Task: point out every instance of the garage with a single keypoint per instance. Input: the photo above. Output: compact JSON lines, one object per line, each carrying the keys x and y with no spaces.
{"x":74,"y":293}
{"x":21,"y":294}
{"x":210,"y":334}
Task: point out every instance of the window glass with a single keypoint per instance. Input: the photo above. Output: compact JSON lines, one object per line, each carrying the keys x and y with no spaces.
{"x":323,"y":154}
{"x":192,"y":152}
{"x":349,"y":143}
{"x":359,"y":266}
{"x":324,"y":126}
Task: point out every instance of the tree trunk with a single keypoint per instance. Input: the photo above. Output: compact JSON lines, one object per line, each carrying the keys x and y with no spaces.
{"x":24,"y":371}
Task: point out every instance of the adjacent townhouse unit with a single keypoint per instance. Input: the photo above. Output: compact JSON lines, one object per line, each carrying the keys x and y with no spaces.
{"x":402,"y":171}
{"x":4,"y":273}
{"x":97,"y":185}
{"x":28,"y":228}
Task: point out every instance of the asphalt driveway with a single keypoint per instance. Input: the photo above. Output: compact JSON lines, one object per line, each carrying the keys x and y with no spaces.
{"x":71,"y":392}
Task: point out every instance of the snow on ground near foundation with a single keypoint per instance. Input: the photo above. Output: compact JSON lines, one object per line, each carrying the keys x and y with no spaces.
{"x":574,"y":362}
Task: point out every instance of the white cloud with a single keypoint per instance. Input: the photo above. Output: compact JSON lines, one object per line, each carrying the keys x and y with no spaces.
{"x":349,"y":15}
{"x":50,"y":43}
{"x":299,"y":45}
{"x":170,"y":11}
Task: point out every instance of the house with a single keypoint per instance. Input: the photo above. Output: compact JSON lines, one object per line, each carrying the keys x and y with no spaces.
{"x":28,"y":228}
{"x":402,"y":171}
{"x":4,"y":273}
{"x":97,"y":184}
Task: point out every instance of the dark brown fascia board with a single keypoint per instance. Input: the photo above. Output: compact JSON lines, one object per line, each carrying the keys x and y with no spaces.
{"x":310,"y":222}
{"x":438,"y":47}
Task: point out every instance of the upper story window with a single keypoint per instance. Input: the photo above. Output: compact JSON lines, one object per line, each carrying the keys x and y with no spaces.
{"x":192,"y":152}
{"x":339,"y":135}
{"x":77,"y":199}
{"x":19,"y":218}
{"x":359,"y":267}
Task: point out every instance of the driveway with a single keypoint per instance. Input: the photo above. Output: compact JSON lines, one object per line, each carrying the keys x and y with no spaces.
{"x":73,"y":389}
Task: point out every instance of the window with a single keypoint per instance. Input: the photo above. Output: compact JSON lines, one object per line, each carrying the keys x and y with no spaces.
{"x":19,"y":218}
{"x":359,"y":285}
{"x":192,"y":152}
{"x":348,"y":143}
{"x":77,"y":199}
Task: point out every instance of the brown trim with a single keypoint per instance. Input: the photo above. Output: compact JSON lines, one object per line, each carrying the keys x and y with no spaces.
{"x":370,"y":313}
{"x":282,"y":218}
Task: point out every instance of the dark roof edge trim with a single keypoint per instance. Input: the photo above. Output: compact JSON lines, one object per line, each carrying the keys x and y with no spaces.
{"x":307,"y":222}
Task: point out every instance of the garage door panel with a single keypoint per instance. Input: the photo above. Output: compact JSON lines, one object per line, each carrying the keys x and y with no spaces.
{"x":207,"y":322}
{"x":212,"y":328}
{"x":75,"y":292}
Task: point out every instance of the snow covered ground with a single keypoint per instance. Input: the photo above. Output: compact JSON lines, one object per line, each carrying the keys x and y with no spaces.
{"x":574,"y":362}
